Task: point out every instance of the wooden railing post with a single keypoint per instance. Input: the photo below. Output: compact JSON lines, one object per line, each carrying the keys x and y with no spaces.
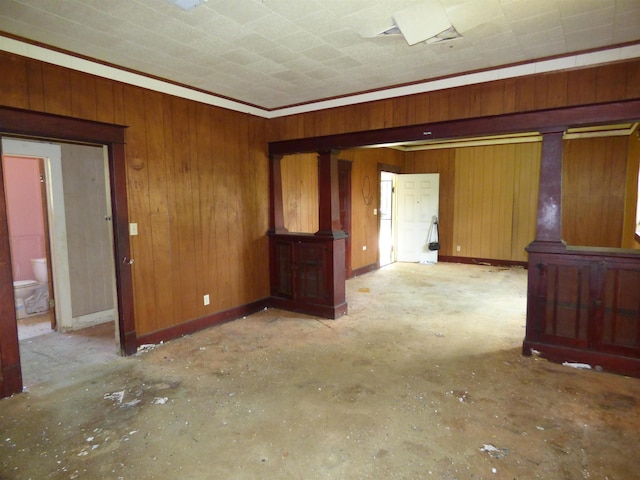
{"x":276,"y":208}
{"x":549,"y":222}
{"x":328,"y":194}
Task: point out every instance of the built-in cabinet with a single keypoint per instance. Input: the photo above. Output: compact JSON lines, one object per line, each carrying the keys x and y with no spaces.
{"x":584,"y":306}
{"x":308,"y":273}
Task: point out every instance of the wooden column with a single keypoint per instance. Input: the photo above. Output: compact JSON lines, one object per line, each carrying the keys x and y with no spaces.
{"x":276,"y":208}
{"x":549,"y":222}
{"x":328,"y":194}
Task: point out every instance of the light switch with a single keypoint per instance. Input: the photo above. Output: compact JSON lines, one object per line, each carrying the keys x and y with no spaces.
{"x":375,"y":211}
{"x":133,"y":229}
{"x":206,"y":299}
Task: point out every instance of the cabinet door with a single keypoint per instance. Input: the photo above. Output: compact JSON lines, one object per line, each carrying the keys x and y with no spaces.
{"x":310,"y":272}
{"x":282,"y":283}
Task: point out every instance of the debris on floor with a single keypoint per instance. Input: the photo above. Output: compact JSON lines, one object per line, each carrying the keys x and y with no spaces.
{"x":494,"y":451}
{"x":583,"y":366}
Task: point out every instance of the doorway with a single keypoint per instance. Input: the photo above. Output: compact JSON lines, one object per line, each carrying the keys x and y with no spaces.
{"x":43,"y":126}
{"x":416,"y":217}
{"x":408,"y":212}
{"x":78,"y":241}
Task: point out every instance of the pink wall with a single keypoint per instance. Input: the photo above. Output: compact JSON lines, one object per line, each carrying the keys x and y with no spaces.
{"x":25,"y":212}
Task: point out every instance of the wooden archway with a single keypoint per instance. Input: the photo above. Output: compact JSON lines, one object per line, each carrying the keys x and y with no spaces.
{"x":605,"y":276}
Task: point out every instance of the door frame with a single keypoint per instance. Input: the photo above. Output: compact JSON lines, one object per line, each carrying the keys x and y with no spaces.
{"x":35,"y":125}
{"x":395,"y":169}
{"x":344,"y":197}
{"x":46,"y":155}
{"x":47,"y":237}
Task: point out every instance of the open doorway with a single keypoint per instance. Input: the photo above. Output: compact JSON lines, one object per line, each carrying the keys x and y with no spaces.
{"x":408,"y":217}
{"x":74,"y":304}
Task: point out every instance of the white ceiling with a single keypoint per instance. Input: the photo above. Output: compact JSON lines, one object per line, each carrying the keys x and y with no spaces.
{"x":277,"y":53}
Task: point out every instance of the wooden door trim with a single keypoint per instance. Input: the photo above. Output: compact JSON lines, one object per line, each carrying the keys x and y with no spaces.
{"x":29,"y":124}
{"x":383,"y":167}
{"x":345,"y":166}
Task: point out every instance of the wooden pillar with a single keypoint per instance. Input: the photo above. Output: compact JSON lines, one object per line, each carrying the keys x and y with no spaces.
{"x":549,"y":222}
{"x":328,"y":194}
{"x":276,"y":208}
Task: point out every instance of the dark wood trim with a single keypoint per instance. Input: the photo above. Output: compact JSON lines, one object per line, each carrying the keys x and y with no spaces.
{"x":276,"y":206}
{"x":481,"y":261}
{"x":203,"y":322}
{"x":549,"y":220}
{"x":385,"y":167}
{"x":559,"y":354}
{"x":38,"y":125}
{"x":538,"y":120}
{"x":124,"y":280}
{"x":345,"y":197}
{"x":328,"y":193}
{"x":307,"y":273}
{"x":330,"y":312}
{"x":10,"y":373}
{"x":592,"y":299}
{"x":56,"y":127}
{"x":366,"y":269}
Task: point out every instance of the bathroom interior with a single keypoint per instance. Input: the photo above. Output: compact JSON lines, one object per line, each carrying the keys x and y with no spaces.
{"x":58,"y":211}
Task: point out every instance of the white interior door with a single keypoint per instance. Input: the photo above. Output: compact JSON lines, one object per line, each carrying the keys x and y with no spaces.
{"x":417,"y":196}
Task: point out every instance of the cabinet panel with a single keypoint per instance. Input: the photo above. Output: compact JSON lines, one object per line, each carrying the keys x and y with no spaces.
{"x":307,"y":274}
{"x":310,"y":265}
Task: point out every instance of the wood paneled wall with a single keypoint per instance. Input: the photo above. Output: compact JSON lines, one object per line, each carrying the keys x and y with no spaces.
{"x":198,"y":175}
{"x":612,"y":82}
{"x":300,"y":197}
{"x":631,"y":193}
{"x":442,"y":161}
{"x":197,"y":180}
{"x":365,"y":190}
{"x":594,"y":174}
{"x":495,"y":204}
{"x":488,"y":195}
{"x":300,"y":192}
{"x":488,"y":198}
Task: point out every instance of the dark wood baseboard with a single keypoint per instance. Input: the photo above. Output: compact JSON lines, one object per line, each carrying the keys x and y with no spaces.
{"x":481,"y":261}
{"x":610,"y":363}
{"x":362,"y":270}
{"x":202,"y":323}
{"x":331,"y":312}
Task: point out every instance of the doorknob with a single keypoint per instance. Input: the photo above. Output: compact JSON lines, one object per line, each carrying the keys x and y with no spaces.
{"x":128,"y":261}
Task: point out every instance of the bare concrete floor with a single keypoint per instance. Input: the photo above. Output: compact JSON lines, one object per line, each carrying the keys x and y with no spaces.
{"x":423,"y":379}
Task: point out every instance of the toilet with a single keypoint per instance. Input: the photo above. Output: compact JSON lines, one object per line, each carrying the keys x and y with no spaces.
{"x":23,"y":289}
{"x":39,"y":267}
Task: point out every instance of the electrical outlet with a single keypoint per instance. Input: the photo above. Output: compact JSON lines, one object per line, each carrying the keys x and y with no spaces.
{"x":458,"y":248}
{"x":206,"y":299}
{"x":375,"y":211}
{"x":133,"y":229}
{"x":364,"y":247}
